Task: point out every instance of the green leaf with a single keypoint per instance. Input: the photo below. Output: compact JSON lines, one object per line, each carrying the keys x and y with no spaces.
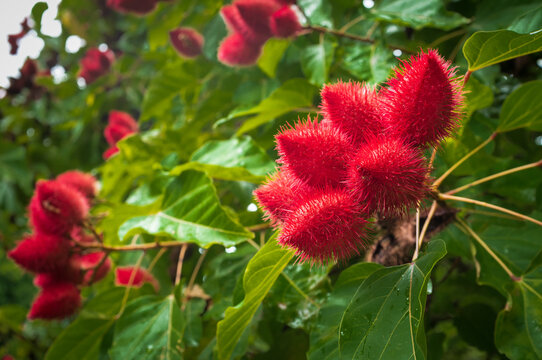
{"x":272,"y":54}
{"x":37,"y":13}
{"x":528,"y":22}
{"x":478,"y":96}
{"x":370,"y":63}
{"x":384,"y":319}
{"x":293,"y":94}
{"x":319,"y":12}
{"x":261,"y":273}
{"x":486,"y":48}
{"x":518,"y":330}
{"x":190,"y":212}
{"x":522,"y":108}
{"x":418,"y":14}
{"x":316,"y":60}
{"x":239,"y":159}
{"x":149,"y":328}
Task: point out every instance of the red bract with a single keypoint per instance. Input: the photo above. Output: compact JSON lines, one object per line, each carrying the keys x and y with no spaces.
{"x":42,"y":253}
{"x":388,"y":176}
{"x":284,"y":23}
{"x":85,"y":183}
{"x":56,"y":301}
{"x":186,"y":41}
{"x":95,"y":63}
{"x":123,"y":275}
{"x":236,"y":51}
{"x":88,"y":263}
{"x":329,"y":226}
{"x":423,"y":102}
{"x":138,"y":7}
{"x":316,"y":153}
{"x":353,"y":108}
{"x":55,"y":207}
{"x":281,"y":195}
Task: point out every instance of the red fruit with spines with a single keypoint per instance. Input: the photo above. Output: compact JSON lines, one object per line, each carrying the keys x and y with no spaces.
{"x":120,"y":125}
{"x":423,"y":102}
{"x":388,"y":176}
{"x":85,"y":183}
{"x":95,"y":63}
{"x":80,"y":236}
{"x":123,"y":275}
{"x":284,"y":23}
{"x":234,"y":50}
{"x":329,"y":226}
{"x":137,"y":7}
{"x":87,"y":264}
{"x":56,"y":301}
{"x":42,"y":253}
{"x":187,"y":42}
{"x":110,"y":152}
{"x":250,"y":19}
{"x":55,"y":207}
{"x":281,"y":195}
{"x":316,"y":153}
{"x":353,"y":108}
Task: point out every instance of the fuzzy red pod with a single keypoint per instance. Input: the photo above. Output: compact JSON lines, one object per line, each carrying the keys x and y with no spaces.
{"x":137,"y":7}
{"x":423,"y":101}
{"x":250,"y":19}
{"x":316,"y":153}
{"x":388,"y":176}
{"x":120,"y":125}
{"x":55,"y":207}
{"x":284,"y":22}
{"x":56,"y":301}
{"x":42,"y":253}
{"x":88,"y":263}
{"x":281,"y":195}
{"x":95,"y":63}
{"x":85,"y":183}
{"x":123,"y":275}
{"x":236,"y":51}
{"x":353,"y":108}
{"x":329,"y":226}
{"x":187,"y":42}
{"x":110,"y":152}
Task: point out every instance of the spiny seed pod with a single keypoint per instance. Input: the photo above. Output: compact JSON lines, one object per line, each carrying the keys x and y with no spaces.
{"x":110,"y":152}
{"x":353,"y":108}
{"x":316,"y":153}
{"x":138,"y":7}
{"x":236,"y":51}
{"x":186,"y":41}
{"x":95,"y":63}
{"x":56,"y":301}
{"x":388,"y":176}
{"x":284,"y":23}
{"x":88,"y":262}
{"x":423,"y":102}
{"x":329,"y":226}
{"x":85,"y":183}
{"x":55,"y":207}
{"x":281,"y":195}
{"x":250,"y":19}
{"x":42,"y":253}
{"x":120,"y":125}
{"x":132,"y":276}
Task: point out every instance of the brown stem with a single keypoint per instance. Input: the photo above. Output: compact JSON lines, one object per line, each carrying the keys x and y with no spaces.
{"x":180,"y":264}
{"x":196,"y":270}
{"x":259,"y":227}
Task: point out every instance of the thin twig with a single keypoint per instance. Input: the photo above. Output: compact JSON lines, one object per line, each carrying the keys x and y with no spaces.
{"x":196,"y":269}
{"x":180,"y":264}
{"x":446,"y":37}
{"x":301,"y":292}
{"x":417,"y":250}
{"x":263,"y":226}
{"x":156,"y":258}
{"x":427,"y":221}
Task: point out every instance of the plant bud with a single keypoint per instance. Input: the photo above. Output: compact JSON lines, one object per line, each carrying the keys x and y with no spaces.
{"x":123,"y":275}
{"x":56,"y":301}
{"x":95,"y":63}
{"x":41,"y":253}
{"x":84,"y":183}
{"x":236,"y":51}
{"x":187,"y":42}
{"x":284,"y":23}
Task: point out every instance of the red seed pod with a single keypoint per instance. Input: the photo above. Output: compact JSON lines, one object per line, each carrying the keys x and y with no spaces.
{"x":55,"y":207}
{"x":95,"y":63}
{"x":42,"y":253}
{"x":328,"y":227}
{"x":123,"y":275}
{"x":88,"y":262}
{"x":316,"y":153}
{"x":187,"y":42}
{"x":84,"y":183}
{"x":137,"y":7}
{"x":353,"y":108}
{"x":120,"y":125}
{"x":236,"y":51}
{"x":110,"y":152}
{"x":281,"y":195}
{"x":423,"y":102}
{"x":388,"y":176}
{"x":250,"y":18}
{"x":56,"y":301}
{"x":284,"y":23}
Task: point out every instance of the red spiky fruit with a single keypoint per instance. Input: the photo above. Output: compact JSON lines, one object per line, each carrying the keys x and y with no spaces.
{"x":55,"y":207}
{"x":123,"y":275}
{"x":85,"y":183}
{"x":250,"y":19}
{"x":388,"y":176}
{"x":137,"y":7}
{"x":120,"y":125}
{"x":284,"y":23}
{"x":423,"y":102}
{"x":236,"y":51}
{"x":56,"y":301}
{"x":329,"y":226}
{"x":95,"y":63}
{"x":353,"y":108}
{"x":42,"y":253}
{"x":186,"y":41}
{"x":110,"y":152}
{"x":88,"y":263}
{"x":281,"y":195}
{"x":316,"y":153}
